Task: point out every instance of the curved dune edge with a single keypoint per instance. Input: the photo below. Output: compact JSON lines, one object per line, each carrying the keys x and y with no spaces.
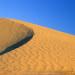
{"x":13,"y":35}
{"x":48,"y":52}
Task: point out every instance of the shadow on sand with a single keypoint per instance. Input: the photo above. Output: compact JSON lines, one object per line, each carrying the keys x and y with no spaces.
{"x":18,"y":44}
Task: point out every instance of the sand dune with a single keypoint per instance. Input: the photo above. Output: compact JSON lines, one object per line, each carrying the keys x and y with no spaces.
{"x":12,"y":33}
{"x":49,"y":52}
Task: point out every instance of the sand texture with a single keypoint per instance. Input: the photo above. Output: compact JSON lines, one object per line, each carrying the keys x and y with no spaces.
{"x":48,"y":52}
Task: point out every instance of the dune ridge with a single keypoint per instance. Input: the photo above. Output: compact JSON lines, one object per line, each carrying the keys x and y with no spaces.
{"x":49,"y":52}
{"x":12,"y":33}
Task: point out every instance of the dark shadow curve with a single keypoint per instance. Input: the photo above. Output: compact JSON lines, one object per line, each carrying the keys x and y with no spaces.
{"x":18,"y":44}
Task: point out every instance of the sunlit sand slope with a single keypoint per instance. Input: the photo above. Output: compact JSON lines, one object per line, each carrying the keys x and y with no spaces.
{"x":49,"y":52}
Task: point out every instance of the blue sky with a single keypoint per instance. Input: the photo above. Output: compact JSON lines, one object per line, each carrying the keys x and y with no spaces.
{"x":56,"y":14}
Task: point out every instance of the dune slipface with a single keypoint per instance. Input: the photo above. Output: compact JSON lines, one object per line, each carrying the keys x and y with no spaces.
{"x":48,"y":52}
{"x":12,"y":35}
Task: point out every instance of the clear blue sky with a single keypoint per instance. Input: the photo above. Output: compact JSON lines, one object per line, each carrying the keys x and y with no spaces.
{"x":56,"y":14}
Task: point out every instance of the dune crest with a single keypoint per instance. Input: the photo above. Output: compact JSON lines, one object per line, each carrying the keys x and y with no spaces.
{"x":12,"y":35}
{"x":49,"y":52}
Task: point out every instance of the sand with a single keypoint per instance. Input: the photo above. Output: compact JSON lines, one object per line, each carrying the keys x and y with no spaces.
{"x":12,"y":33}
{"x":49,"y":52}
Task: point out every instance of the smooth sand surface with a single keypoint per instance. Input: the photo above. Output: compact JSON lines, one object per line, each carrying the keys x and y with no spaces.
{"x":12,"y":33}
{"x":49,"y":52}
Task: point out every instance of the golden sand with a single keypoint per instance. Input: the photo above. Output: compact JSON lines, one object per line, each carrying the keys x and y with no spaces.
{"x":11,"y":33}
{"x":49,"y":52}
